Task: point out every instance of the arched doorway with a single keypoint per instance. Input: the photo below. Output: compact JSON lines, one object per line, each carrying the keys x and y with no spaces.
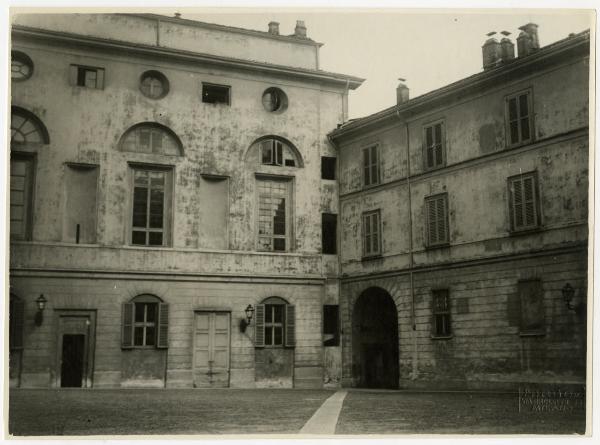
{"x":375,"y":340}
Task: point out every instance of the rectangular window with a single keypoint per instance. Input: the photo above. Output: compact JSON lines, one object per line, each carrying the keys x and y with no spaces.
{"x":215,"y":94}
{"x":87,"y":76}
{"x":519,"y":126}
{"x":371,"y":234}
{"x":531,"y":297}
{"x":274,"y":215}
{"x":523,"y":202}
{"x":328,"y":167}
{"x":371,"y":165}
{"x":21,"y":184}
{"x":441,"y":313}
{"x":151,"y":202}
{"x":436,"y":209}
{"x":271,"y":152}
{"x":331,"y":325}
{"x":435,"y":150}
{"x":275,"y":325}
{"x":145,"y":324}
{"x":329,"y":233}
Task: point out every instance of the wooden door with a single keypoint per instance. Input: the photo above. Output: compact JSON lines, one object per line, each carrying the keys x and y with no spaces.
{"x":211,"y":349}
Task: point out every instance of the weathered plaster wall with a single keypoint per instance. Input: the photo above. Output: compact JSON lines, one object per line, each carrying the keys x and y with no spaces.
{"x":197,"y":38}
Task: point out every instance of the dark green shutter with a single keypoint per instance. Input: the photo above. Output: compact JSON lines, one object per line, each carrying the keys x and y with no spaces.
{"x":290,"y":326}
{"x":127,"y":325}
{"x":163,"y":326}
{"x":259,"y":326}
{"x":17,"y":312}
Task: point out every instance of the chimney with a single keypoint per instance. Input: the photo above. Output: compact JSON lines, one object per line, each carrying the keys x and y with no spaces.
{"x":507,"y":47}
{"x":274,"y":28}
{"x":177,"y":15}
{"x":527,"y":42}
{"x":402,"y":91}
{"x":492,"y":52}
{"x":300,"y":30}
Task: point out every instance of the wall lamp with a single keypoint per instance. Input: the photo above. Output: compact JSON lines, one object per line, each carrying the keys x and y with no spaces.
{"x":568,"y":293}
{"x":244,"y":323}
{"x":41,"y":305}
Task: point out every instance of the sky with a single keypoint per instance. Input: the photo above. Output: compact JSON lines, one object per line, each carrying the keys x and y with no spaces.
{"x":428,"y":49}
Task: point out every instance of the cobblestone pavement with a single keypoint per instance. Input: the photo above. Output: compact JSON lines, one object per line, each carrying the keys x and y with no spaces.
{"x":280,"y":411}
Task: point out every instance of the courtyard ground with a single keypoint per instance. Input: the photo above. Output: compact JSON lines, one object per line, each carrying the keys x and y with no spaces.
{"x":50,"y":412}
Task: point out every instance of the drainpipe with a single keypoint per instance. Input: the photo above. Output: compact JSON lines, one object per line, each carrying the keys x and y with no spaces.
{"x":410,"y":250}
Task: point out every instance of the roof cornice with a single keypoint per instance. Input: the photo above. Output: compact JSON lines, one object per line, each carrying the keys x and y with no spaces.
{"x":44,"y":35}
{"x":475,"y":82}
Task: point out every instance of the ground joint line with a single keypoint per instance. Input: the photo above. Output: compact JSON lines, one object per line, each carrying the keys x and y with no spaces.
{"x":324,"y":420}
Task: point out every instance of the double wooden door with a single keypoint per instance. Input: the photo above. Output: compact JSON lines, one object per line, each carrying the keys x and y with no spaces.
{"x":211,"y":349}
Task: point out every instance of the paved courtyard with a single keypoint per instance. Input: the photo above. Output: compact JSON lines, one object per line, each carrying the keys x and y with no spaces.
{"x":281,"y":411}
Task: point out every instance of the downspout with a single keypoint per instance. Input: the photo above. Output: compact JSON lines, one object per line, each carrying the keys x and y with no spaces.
{"x":410,"y":250}
{"x":345,"y":101}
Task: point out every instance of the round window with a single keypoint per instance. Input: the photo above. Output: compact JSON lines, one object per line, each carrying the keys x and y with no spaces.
{"x":154,"y":84}
{"x":21,"y":66}
{"x":274,"y":100}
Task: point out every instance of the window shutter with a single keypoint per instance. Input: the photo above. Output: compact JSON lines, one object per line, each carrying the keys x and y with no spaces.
{"x":431,"y":220}
{"x":259,"y":326}
{"x":73,"y":75}
{"x":100,"y":79}
{"x":518,"y":203}
{"x":442,"y":219}
{"x":127,"y":325}
{"x":366,"y":168}
{"x":290,"y":326}
{"x":17,"y":312}
{"x":163,"y":326}
{"x":529,"y":201}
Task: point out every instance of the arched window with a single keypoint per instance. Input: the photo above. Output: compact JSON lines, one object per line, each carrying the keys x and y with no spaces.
{"x":275,"y":324}
{"x":145,"y":323}
{"x":276,"y":151}
{"x":151,"y":138}
{"x":26,"y":128}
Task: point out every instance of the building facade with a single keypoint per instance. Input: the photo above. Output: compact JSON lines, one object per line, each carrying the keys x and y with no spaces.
{"x":463,"y":218}
{"x":166,"y":186}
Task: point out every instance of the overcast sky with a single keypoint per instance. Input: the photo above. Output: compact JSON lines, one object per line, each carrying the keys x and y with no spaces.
{"x":429,"y":50}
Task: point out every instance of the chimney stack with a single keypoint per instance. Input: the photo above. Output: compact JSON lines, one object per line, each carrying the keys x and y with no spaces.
{"x":507,"y":47}
{"x":492,"y":52}
{"x":402,"y":92}
{"x":527,"y":42}
{"x":274,"y":28}
{"x":300,"y":30}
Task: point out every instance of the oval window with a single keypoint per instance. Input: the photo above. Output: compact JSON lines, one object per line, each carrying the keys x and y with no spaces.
{"x":154,"y":84}
{"x":21,"y":66}
{"x":274,"y":100}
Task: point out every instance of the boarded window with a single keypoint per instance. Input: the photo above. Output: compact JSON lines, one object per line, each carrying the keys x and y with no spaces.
{"x":79,"y":224}
{"x":441,"y":313}
{"x":531,"y":297}
{"x":275,"y":324}
{"x":436,"y":210}
{"x":329,"y":233}
{"x":215,"y":94}
{"x":274,"y":215}
{"x":21,"y":184}
{"x":16,"y":317}
{"x":87,"y":76}
{"x":434,"y":145}
{"x":331,"y":325}
{"x":519,"y":118}
{"x":328,"y":166}
{"x":371,"y":234}
{"x":151,"y":207}
{"x":371,"y":165}
{"x":145,"y":323}
{"x":523,"y":202}
{"x":214,"y":212}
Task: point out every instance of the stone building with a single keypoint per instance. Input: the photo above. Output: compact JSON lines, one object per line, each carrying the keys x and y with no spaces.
{"x":170,"y":178}
{"x":463,"y":219}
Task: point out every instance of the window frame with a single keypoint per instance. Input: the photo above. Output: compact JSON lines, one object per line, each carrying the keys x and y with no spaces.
{"x":75,"y":76}
{"x":215,"y":85}
{"x":442,"y":142}
{"x":288,"y":324}
{"x":369,"y":166}
{"x":160,"y":324}
{"x":445,"y":314}
{"x":335,"y":330}
{"x":168,"y":199}
{"x":428,"y":238}
{"x":521,"y":177}
{"x":30,"y":160}
{"x":24,"y":59}
{"x":158,"y":76}
{"x":289,"y":213}
{"x":329,"y":219}
{"x":368,"y":253}
{"x":530,"y":118}
{"x":326,"y":169}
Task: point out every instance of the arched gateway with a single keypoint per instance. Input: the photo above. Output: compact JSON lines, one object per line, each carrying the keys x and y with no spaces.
{"x":375,"y":340}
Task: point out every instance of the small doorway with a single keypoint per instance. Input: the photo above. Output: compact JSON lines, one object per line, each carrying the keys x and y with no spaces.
{"x":211,"y":349}
{"x":75,"y":348}
{"x":375,"y":340}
